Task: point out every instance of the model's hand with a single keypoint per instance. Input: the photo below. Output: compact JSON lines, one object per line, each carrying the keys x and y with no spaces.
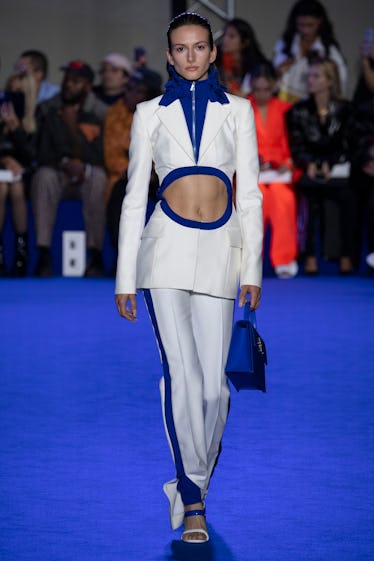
{"x":254,"y":293}
{"x":126,"y":306}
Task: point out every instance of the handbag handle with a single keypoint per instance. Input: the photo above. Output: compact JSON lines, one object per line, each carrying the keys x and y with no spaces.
{"x":249,"y":315}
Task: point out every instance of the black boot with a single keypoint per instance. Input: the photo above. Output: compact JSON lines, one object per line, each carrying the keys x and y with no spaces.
{"x":2,"y":264}
{"x":19,"y":268}
{"x":44,"y":265}
{"x":95,"y":267}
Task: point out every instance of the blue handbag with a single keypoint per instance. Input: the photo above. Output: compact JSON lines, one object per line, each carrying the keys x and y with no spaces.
{"x":246,"y":360}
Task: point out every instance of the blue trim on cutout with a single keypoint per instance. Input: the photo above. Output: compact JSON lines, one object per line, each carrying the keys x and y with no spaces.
{"x":193,"y":170}
{"x":196,"y":170}
{"x":195,"y":223}
{"x":190,"y":492}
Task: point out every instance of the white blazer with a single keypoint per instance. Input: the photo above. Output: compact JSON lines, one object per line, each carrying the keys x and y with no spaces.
{"x":166,"y":254}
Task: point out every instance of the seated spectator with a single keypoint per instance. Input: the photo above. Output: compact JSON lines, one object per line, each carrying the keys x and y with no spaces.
{"x":70,"y":153}
{"x":91,"y":103}
{"x":279,"y":200}
{"x":16,"y":158}
{"x":238,"y":52}
{"x":34,"y":64}
{"x":115,"y":71}
{"x":308,"y":30}
{"x":362,"y":150}
{"x":318,"y":130}
{"x":144,"y":84}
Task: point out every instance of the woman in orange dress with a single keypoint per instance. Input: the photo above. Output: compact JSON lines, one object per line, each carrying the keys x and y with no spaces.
{"x":279,"y":202}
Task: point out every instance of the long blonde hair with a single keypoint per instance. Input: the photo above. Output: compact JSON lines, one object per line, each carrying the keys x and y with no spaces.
{"x":331,"y":72}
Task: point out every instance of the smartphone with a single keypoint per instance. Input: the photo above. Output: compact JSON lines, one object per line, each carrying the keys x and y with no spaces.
{"x":17,"y":99}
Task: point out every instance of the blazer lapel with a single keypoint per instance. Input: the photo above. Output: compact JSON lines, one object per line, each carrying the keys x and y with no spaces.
{"x":172,"y":117}
{"x":216,"y":114}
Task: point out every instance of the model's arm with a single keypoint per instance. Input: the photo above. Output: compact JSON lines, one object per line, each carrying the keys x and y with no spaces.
{"x":133,"y":215}
{"x":249,"y":205}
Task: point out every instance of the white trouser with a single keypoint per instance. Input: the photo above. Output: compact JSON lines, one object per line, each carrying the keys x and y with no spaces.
{"x":193,"y":332}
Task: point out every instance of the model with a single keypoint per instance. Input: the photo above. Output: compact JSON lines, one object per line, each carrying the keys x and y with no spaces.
{"x":194,"y":251}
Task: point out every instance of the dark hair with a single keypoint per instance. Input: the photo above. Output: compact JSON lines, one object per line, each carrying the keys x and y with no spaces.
{"x":189,"y":18}
{"x":251,"y":53}
{"x":264,"y":70}
{"x":315,"y":9}
{"x":38,"y":60}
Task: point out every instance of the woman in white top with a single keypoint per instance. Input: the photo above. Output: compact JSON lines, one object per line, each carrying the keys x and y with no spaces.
{"x":193,"y":253}
{"x":308,"y":31}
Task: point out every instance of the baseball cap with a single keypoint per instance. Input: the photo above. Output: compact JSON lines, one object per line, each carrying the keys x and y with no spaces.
{"x":118,"y":61}
{"x":80,"y":68}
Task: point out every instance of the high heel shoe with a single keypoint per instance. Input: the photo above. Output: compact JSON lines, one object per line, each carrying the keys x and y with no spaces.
{"x":187,"y":514}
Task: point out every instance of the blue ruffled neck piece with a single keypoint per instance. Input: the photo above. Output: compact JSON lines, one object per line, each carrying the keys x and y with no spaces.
{"x":179,"y":88}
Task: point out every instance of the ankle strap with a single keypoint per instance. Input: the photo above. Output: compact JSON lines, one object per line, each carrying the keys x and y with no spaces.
{"x":194,"y":513}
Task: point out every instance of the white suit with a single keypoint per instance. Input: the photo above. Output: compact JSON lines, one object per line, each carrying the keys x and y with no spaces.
{"x":229,"y":144}
{"x":190,"y":274}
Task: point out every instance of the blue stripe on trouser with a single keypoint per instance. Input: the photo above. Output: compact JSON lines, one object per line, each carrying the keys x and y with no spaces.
{"x":189,"y":491}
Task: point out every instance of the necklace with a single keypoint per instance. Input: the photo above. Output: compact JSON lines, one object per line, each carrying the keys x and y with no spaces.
{"x":323,"y":112}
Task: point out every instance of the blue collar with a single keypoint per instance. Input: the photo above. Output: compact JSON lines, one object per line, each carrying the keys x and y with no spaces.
{"x":178,"y":87}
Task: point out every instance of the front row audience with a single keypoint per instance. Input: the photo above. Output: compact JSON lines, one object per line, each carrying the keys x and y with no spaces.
{"x":317,"y":154}
{"x":319,"y":130}
{"x":276,"y":170}
{"x":70,"y":155}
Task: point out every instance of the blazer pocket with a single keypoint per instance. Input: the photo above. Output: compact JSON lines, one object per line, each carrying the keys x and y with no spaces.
{"x":233,"y":260}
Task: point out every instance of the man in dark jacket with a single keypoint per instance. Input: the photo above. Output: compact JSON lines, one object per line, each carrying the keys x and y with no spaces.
{"x":70,"y":154}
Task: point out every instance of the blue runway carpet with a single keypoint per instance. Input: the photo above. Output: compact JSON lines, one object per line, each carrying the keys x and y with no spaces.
{"x":83,"y":452}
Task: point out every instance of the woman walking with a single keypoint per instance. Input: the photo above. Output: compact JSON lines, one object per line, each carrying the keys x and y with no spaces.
{"x":193,"y":252}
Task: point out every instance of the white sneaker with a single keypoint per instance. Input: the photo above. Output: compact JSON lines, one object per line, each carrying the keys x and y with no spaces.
{"x":370,"y":260}
{"x":287,"y":271}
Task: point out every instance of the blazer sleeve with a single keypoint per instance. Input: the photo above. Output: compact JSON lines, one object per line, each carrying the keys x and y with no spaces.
{"x":249,"y":197}
{"x":134,"y":205}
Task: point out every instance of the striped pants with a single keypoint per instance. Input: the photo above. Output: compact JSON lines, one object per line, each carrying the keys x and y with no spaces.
{"x":193,"y":332}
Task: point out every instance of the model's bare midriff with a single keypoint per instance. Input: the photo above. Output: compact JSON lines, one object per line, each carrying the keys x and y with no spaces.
{"x":197,"y":197}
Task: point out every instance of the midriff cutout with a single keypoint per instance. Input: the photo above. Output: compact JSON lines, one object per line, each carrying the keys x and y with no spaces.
{"x":201,"y":198}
